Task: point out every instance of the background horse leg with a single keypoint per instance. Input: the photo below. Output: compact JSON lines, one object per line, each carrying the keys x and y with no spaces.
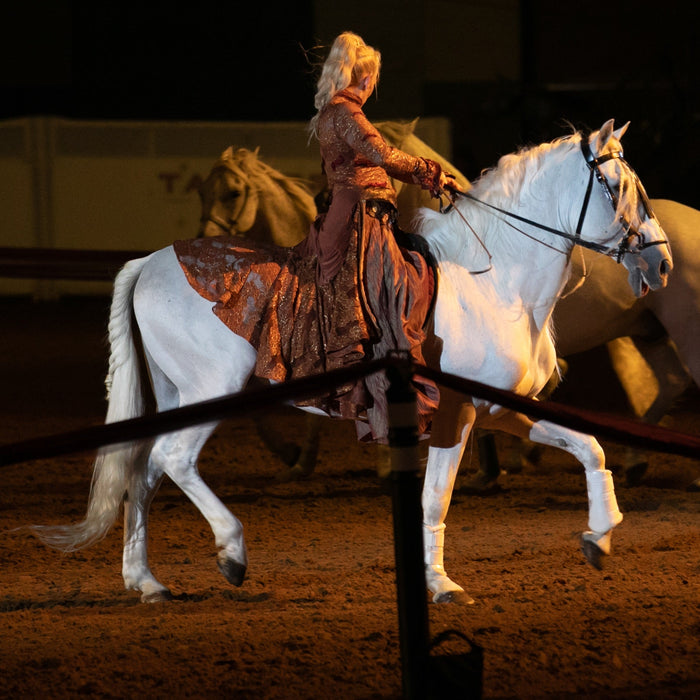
{"x":451,"y":426}
{"x":309,"y":449}
{"x":653,"y":377}
{"x":288,"y":452}
{"x":304,"y":460}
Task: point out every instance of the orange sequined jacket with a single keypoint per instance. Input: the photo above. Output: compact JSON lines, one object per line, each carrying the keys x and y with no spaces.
{"x":356,"y":157}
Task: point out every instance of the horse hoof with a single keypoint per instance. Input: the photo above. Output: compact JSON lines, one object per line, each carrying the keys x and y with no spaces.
{"x":157,"y":596}
{"x":593,"y":553}
{"x":634,"y":473}
{"x":458,"y":597}
{"x":295,"y":473}
{"x":233,"y":571}
{"x":482,"y":481}
{"x":289,"y":453}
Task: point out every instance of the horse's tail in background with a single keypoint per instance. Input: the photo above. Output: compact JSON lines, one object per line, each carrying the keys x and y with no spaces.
{"x":115,"y":463}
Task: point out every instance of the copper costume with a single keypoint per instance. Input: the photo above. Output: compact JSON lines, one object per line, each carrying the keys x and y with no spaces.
{"x":348,"y":292}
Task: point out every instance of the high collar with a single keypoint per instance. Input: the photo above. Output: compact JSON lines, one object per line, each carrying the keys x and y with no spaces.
{"x":347,"y":94}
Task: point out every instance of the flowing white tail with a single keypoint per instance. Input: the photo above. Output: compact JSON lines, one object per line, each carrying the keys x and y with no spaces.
{"x":125,"y":395}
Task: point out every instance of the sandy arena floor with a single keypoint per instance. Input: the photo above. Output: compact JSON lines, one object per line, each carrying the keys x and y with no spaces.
{"x":317,"y":615}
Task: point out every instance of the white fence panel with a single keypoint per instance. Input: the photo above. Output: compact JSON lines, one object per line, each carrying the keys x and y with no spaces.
{"x":130,"y":185}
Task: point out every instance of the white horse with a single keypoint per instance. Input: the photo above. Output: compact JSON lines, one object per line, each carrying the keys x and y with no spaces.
{"x":492,"y":327}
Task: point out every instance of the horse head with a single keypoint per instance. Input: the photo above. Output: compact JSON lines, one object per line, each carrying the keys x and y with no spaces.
{"x":633,"y":236}
{"x":228,"y":196}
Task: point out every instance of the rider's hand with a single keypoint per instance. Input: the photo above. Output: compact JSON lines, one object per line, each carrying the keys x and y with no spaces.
{"x":448,"y":183}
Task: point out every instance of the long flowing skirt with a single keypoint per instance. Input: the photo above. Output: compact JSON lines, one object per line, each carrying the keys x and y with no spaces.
{"x":302,"y":322}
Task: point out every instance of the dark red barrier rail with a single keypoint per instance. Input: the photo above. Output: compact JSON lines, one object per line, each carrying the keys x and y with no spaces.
{"x":602,"y":425}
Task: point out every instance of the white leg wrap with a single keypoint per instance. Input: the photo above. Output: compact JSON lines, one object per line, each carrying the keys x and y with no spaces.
{"x":438,"y":582}
{"x":603,"y":513}
{"x":434,"y":547}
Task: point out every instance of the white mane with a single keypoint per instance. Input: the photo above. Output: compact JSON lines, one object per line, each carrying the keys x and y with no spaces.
{"x":511,"y":185}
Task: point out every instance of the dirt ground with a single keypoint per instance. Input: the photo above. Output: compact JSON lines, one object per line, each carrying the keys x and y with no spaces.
{"x":317,"y":615}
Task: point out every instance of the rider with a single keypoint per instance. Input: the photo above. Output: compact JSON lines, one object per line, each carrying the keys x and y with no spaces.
{"x":354,"y":289}
{"x":366,"y":273}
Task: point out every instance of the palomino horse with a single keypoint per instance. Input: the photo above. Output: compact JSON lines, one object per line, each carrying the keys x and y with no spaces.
{"x":492,"y":327}
{"x":664,"y":327}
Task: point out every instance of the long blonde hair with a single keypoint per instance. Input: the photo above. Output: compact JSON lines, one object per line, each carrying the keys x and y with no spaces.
{"x":349,"y":61}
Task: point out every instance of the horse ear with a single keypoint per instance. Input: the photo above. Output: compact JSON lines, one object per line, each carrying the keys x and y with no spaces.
{"x":619,"y":133}
{"x":227,"y":154}
{"x":604,"y":135}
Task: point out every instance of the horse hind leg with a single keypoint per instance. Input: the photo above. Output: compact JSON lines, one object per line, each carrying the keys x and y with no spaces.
{"x":176,"y":454}
{"x":286,"y":451}
{"x":137,"y":575}
{"x":144,"y":480}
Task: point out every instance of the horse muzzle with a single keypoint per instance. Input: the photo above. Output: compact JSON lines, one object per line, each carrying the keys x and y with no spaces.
{"x":649,"y":263}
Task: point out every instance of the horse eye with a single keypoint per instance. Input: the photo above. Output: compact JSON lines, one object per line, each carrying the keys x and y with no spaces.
{"x":230,"y":196}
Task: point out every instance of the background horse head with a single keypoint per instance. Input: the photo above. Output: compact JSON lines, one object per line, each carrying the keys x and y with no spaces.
{"x":243,"y":195}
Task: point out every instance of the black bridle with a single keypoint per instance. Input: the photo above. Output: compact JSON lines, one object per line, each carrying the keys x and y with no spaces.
{"x":624,"y":247}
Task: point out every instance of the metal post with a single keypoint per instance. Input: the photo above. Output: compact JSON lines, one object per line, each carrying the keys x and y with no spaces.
{"x":408,"y":531}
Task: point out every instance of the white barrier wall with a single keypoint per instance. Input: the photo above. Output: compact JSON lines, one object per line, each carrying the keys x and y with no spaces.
{"x":130,"y":185}
{"x":19,"y":215}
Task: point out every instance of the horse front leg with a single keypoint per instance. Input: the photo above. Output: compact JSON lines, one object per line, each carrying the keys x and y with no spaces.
{"x":451,"y":426}
{"x":603,"y":511}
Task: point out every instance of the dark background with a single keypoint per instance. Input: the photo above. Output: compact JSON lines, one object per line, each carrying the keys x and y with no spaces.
{"x":580,"y":63}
